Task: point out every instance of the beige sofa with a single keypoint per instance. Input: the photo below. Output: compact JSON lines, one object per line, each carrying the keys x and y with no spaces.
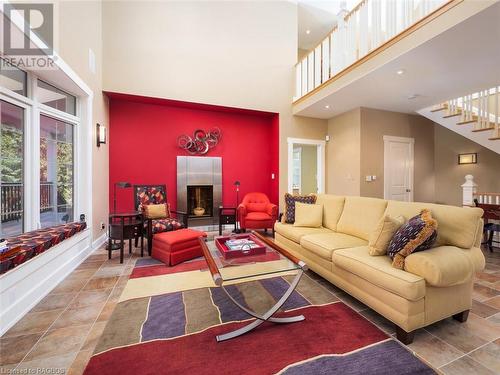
{"x":435,"y":284}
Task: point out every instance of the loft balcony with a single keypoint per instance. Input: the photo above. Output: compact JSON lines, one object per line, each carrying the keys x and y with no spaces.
{"x":360,"y":62}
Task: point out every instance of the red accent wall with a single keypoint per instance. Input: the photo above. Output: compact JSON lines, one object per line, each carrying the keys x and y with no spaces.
{"x":143,"y":146}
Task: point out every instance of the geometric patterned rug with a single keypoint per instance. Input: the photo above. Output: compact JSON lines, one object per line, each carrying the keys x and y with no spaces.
{"x":174,"y":332}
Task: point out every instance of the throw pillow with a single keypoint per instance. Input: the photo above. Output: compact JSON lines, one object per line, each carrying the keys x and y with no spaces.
{"x":156,"y":211}
{"x":382,"y":235}
{"x":418,"y":234}
{"x":308,"y":215}
{"x":289,"y":215}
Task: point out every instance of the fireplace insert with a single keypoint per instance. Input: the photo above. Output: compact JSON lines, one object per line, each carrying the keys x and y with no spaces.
{"x":200,"y":200}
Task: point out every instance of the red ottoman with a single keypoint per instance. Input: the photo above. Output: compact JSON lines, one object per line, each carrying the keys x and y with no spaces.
{"x":177,"y":246}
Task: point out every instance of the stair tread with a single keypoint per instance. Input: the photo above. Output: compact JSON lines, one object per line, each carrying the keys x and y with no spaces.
{"x":453,"y":114}
{"x":483,"y":129}
{"x":467,"y":122}
{"x":439,"y":109}
{"x":494,"y":138}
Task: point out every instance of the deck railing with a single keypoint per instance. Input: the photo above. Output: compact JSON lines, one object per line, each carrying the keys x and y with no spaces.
{"x":11,"y":199}
{"x":365,"y":28}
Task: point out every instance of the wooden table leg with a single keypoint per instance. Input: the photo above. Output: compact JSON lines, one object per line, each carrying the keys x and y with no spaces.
{"x":122,"y":245}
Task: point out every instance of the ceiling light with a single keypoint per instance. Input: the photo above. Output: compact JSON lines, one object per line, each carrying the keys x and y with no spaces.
{"x":327,"y":106}
{"x":308,"y":31}
{"x":400,"y":72}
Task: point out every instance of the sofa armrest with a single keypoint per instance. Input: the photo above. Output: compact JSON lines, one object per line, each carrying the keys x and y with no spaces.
{"x":441,"y":266}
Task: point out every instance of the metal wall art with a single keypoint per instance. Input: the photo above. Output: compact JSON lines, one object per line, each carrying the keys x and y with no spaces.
{"x":200,"y":142}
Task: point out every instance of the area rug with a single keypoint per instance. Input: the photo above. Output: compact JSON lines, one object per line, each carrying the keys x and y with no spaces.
{"x":174,"y":332}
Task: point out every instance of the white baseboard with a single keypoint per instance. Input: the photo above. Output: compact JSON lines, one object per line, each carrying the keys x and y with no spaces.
{"x":99,"y":241}
{"x":24,"y":286}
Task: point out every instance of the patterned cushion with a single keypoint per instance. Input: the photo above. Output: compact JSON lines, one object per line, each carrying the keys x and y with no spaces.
{"x":418,"y":234}
{"x":150,"y":195}
{"x":165,"y":225}
{"x":31,"y":244}
{"x":289,"y":215}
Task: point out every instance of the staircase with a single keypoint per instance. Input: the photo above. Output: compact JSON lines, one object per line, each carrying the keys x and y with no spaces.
{"x":475,"y":116}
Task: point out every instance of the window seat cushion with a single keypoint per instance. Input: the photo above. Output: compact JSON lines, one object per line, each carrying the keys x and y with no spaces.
{"x":31,"y":244}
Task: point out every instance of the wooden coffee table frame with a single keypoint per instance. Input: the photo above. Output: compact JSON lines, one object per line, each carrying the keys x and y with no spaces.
{"x":268,"y":316}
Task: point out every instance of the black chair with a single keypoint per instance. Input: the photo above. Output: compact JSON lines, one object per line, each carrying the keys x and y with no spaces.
{"x":157,"y":194}
{"x":491,"y":212}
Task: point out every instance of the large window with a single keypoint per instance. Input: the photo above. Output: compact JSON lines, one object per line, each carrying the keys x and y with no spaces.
{"x":56,"y":172}
{"x":38,"y":164}
{"x":11,"y":169}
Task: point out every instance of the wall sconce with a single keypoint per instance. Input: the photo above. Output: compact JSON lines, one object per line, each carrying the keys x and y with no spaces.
{"x":467,"y":158}
{"x":100,"y":134}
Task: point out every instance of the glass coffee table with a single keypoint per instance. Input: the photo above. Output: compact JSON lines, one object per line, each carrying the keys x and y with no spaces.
{"x":275,"y":260}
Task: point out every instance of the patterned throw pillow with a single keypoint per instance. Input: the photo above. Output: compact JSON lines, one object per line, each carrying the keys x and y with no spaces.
{"x":289,"y":215}
{"x":418,"y":234}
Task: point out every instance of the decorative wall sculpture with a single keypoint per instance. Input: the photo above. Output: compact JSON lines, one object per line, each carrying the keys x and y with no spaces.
{"x":200,"y":142}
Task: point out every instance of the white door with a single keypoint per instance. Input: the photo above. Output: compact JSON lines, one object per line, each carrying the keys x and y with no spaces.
{"x":398,"y":168}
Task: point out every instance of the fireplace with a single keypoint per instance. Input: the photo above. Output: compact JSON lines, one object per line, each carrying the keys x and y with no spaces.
{"x":200,"y":200}
{"x":199,"y":188}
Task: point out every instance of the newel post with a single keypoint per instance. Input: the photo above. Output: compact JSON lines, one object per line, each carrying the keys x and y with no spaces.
{"x":469,"y":189}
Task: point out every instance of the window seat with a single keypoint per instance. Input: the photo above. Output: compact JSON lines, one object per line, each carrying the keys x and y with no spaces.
{"x":30,"y":244}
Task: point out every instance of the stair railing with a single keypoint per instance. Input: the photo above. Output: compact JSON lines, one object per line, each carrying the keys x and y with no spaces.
{"x":480,"y":109}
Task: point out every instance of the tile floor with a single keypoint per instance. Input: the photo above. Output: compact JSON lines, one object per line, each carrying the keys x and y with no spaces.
{"x":62,"y":330}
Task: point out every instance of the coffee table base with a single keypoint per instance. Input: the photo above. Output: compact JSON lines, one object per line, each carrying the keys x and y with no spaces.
{"x":268,"y":316}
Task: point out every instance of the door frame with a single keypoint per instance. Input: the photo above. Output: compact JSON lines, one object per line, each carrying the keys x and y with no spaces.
{"x":321,"y":147}
{"x":411,"y":142}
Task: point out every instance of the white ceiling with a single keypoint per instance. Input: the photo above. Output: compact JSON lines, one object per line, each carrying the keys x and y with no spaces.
{"x":459,"y":61}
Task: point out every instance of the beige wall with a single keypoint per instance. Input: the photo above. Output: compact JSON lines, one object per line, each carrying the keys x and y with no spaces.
{"x":343,"y":154}
{"x":80,"y":29}
{"x":450,"y":175}
{"x":374,"y":125}
{"x":238,"y":54}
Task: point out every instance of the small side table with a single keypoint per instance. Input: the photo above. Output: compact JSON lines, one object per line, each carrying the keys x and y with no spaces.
{"x":125,"y":225}
{"x":227,"y":215}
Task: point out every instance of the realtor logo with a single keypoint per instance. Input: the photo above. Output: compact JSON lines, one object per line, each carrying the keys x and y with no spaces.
{"x":34,"y":20}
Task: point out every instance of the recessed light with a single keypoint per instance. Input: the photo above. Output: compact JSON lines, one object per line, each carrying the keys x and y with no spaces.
{"x":308,"y":31}
{"x":400,"y":72}
{"x":327,"y":106}
{"x":412,"y":96}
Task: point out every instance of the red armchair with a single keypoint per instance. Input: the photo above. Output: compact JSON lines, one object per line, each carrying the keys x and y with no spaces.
{"x":257,"y":212}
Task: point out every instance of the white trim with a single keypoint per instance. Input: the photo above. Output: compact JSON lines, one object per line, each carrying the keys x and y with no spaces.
{"x":321,"y":147}
{"x":411,"y":142}
{"x":24,"y":286}
{"x":100,"y":241}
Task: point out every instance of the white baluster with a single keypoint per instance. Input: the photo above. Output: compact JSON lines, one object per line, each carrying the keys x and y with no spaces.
{"x":304,"y":76}
{"x":490,"y":199}
{"x":325,"y":52}
{"x":497,"y":199}
{"x":298,"y":81}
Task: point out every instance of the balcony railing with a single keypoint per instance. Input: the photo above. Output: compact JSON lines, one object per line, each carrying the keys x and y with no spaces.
{"x":11,"y":198}
{"x":369,"y":26}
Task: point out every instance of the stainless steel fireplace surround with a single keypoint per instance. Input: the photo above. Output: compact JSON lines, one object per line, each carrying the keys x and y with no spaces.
{"x":199,"y":171}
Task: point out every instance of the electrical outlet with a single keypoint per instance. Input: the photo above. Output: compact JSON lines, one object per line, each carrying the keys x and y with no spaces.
{"x":103,"y":226}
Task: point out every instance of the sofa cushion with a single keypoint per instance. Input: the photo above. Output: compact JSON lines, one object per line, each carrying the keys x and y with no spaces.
{"x":379,"y":271}
{"x":296,"y":233}
{"x":418,"y":234}
{"x":289,"y":214}
{"x":382,"y":235}
{"x":440,"y":266}
{"x":457,"y":225}
{"x":323,"y":244}
{"x":361,"y":216}
{"x":332,"y":209}
{"x":308,"y":215}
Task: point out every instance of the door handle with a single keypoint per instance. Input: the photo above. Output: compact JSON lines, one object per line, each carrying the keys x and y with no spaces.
{"x":408,"y":190}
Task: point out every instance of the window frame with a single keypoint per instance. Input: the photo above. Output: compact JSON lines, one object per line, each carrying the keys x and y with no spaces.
{"x":32,"y":112}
